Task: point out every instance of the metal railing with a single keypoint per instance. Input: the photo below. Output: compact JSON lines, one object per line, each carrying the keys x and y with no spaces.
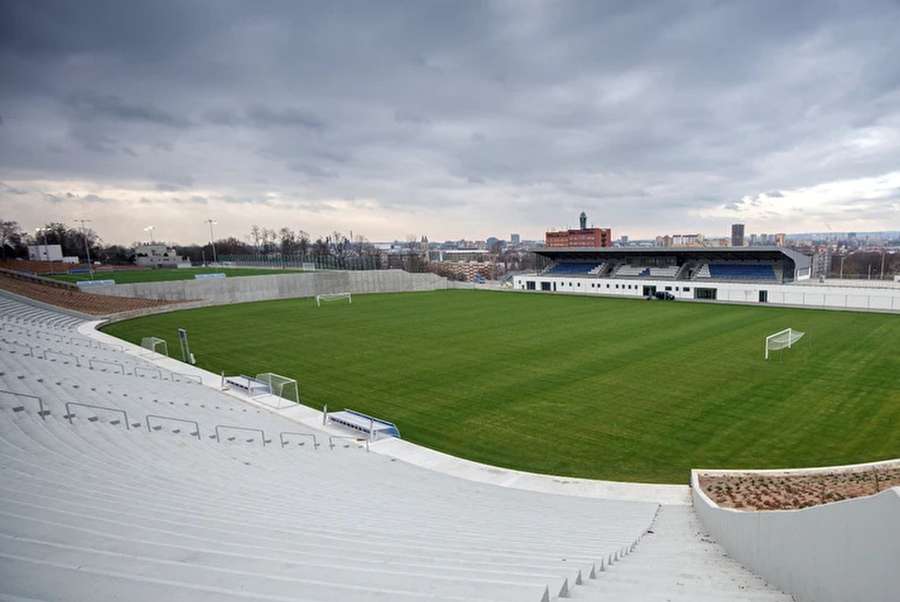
{"x":30,"y":348}
{"x":241,"y":428}
{"x":69,"y":414}
{"x":41,"y":411}
{"x":62,"y":353}
{"x":331,"y":439}
{"x":91,"y":363}
{"x":191,"y":378}
{"x":150,"y":369}
{"x":196,"y":424}
{"x":284,"y":443}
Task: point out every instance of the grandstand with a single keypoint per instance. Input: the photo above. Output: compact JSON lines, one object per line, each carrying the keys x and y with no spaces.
{"x":116,"y":473}
{"x":766,"y":275}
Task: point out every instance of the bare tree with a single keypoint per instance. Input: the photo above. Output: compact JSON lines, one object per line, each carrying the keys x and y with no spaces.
{"x":10,"y":236}
{"x":255,"y":235}
{"x":288,"y":241}
{"x":302,"y":242}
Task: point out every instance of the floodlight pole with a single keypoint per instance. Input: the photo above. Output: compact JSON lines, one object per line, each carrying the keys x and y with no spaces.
{"x":44,"y":252}
{"x":87,"y":249}
{"x":212,"y":242}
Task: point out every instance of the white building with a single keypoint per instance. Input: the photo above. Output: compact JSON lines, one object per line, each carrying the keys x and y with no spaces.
{"x":159,"y":256}
{"x":45,"y":253}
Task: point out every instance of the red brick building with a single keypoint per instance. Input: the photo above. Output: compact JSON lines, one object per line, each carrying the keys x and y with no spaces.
{"x":583,"y":237}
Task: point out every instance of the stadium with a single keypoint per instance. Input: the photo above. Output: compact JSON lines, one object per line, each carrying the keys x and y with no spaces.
{"x":449,"y":301}
{"x":312,"y":435}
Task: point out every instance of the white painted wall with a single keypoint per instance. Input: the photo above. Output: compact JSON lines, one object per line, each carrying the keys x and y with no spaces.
{"x":827,"y":296}
{"x":838,"y":552}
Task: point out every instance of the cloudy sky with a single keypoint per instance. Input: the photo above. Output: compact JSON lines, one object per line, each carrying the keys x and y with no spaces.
{"x":450,"y":119}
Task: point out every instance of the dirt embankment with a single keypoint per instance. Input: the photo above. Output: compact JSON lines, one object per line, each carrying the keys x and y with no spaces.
{"x":70,"y":298}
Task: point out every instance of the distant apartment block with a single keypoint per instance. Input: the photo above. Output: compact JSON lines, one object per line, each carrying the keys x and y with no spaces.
{"x":737,"y":235}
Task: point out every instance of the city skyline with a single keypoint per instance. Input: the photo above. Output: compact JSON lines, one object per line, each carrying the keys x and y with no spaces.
{"x":451,"y":120}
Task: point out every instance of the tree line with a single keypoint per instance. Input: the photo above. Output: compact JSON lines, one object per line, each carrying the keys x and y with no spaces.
{"x":262,"y":242}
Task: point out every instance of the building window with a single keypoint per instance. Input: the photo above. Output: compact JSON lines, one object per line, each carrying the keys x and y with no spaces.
{"x":668,"y":288}
{"x":607,"y":286}
{"x":687,"y":289}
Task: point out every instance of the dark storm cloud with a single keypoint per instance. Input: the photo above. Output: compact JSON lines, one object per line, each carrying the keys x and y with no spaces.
{"x":639,"y":113}
{"x":90,"y":107}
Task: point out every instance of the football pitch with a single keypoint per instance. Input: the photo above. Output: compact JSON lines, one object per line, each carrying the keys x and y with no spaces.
{"x":163,"y":275}
{"x":590,"y":387}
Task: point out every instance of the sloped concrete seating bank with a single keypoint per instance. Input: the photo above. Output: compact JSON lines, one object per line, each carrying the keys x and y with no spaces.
{"x":96,"y":504}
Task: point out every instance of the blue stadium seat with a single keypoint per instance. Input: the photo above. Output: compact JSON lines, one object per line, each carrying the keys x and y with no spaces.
{"x":571,"y":267}
{"x":726,"y":271}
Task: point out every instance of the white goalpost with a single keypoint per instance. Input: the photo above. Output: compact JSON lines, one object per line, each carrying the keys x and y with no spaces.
{"x":782,"y":339}
{"x":324,"y":298}
{"x":154,"y":344}
{"x":281,"y":386}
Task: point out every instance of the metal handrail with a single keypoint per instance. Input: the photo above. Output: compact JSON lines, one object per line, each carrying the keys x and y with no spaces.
{"x":240,"y":428}
{"x":91,"y":364}
{"x":30,"y":348}
{"x":194,"y":422}
{"x":41,"y":411}
{"x":71,"y":355}
{"x":107,"y":346}
{"x":283,"y":442}
{"x":70,"y":415}
{"x":148,"y":369}
{"x":331,"y":439}
{"x":190,"y":377}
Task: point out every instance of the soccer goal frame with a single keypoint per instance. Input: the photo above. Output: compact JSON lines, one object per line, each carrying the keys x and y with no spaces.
{"x":326,"y":297}
{"x":153,"y":343}
{"x":281,"y":386}
{"x":783,"y":339}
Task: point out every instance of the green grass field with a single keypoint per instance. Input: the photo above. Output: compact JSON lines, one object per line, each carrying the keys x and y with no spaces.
{"x":161,"y":275}
{"x":591,"y":387}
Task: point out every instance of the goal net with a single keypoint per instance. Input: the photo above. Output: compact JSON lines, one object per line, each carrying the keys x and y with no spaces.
{"x":325,"y":298}
{"x":281,"y":386}
{"x":156,"y":345}
{"x":783,"y":339}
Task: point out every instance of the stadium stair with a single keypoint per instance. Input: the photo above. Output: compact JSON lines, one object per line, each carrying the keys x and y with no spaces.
{"x":675,"y":561}
{"x":96,"y":507}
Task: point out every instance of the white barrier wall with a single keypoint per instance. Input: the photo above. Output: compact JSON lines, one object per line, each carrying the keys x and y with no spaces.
{"x":826,"y":296}
{"x":838,"y":552}
{"x":278,"y":286}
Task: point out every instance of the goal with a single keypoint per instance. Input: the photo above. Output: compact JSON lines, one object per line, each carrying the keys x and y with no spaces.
{"x":324,"y":298}
{"x":782,"y":339}
{"x":154,"y":344}
{"x":282,"y":386}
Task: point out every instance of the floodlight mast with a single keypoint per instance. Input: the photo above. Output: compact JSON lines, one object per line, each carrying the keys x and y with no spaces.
{"x":87,"y":249}
{"x":44,"y":251}
{"x":212,"y":242}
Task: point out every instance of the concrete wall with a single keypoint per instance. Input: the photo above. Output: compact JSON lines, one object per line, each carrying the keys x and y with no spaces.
{"x":823,"y":296}
{"x":278,"y":286}
{"x":848,"y":550}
